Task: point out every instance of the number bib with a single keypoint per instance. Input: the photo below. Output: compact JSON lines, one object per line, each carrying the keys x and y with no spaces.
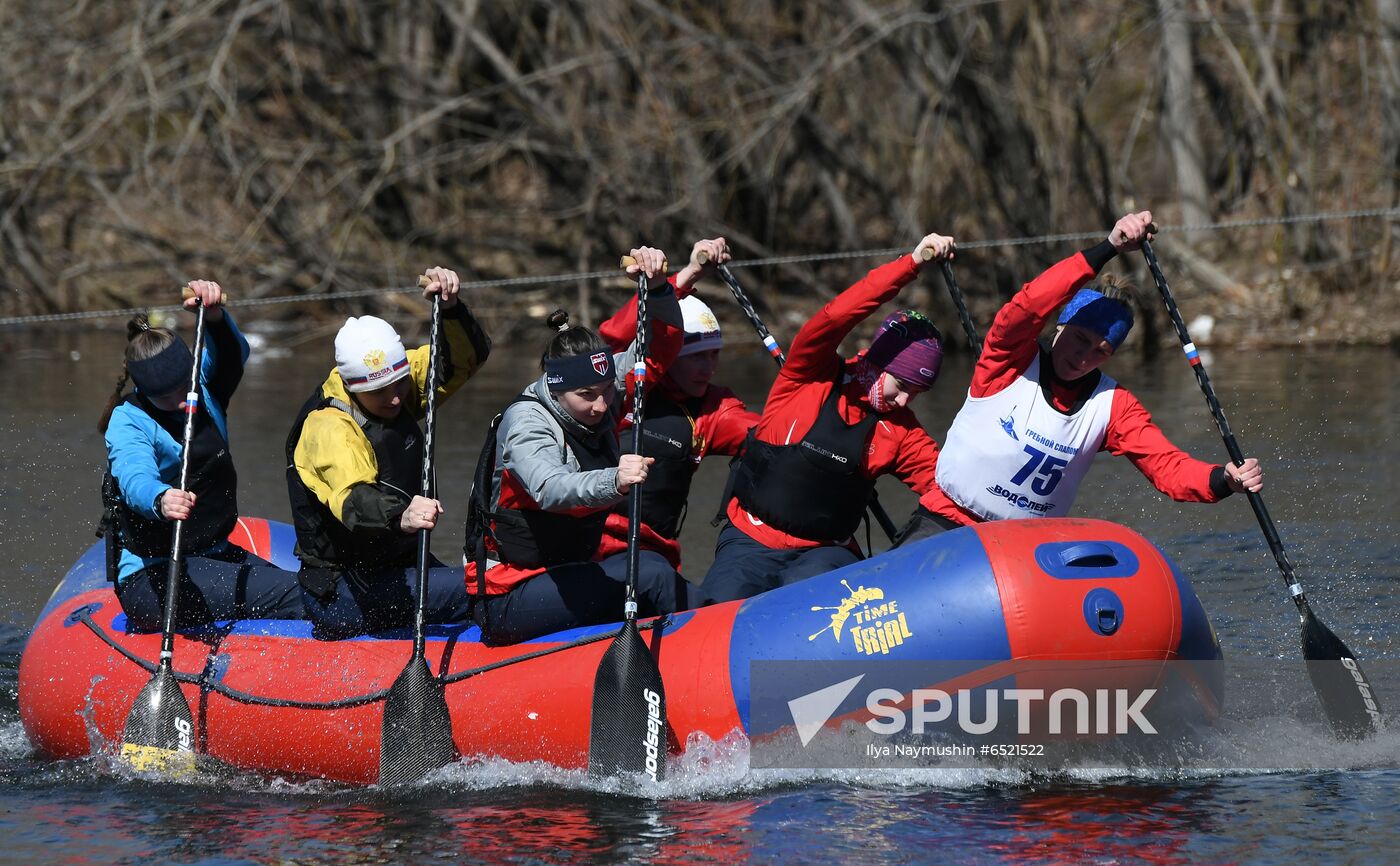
{"x":1011,"y":454}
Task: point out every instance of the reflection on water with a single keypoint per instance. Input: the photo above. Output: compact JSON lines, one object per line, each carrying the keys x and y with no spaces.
{"x":1325,"y":424}
{"x":1214,"y":821}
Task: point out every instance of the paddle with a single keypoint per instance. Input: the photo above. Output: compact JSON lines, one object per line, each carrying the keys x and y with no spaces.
{"x":742,"y":300}
{"x":974,"y":341}
{"x":877,"y":510}
{"x":1346,"y":694}
{"x":159,"y":732}
{"x":628,"y":729}
{"x":416,"y":735}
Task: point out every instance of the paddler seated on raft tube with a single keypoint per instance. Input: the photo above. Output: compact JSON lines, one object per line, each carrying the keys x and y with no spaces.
{"x":830,"y":427}
{"x":144,"y":431}
{"x":1035,"y":418}
{"x":355,"y":462}
{"x":547,"y":531}
{"x":687,"y":416}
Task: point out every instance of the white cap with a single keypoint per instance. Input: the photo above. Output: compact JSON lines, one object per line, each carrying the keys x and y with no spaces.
{"x":369,"y":354}
{"x":701,"y":327}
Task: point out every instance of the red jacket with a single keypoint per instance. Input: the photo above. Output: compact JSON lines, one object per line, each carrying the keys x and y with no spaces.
{"x":723,"y":420}
{"x":898,"y":444}
{"x":1011,"y":345}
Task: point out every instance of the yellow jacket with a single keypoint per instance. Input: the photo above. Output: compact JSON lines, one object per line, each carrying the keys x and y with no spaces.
{"x":334,"y":457}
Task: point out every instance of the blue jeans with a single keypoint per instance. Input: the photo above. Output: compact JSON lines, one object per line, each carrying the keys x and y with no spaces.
{"x":577,"y":594}
{"x":236,"y":586}
{"x":361,"y":601}
{"x":743,"y":568}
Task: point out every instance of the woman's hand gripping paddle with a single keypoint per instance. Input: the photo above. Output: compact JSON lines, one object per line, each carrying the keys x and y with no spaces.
{"x":628,"y":728}
{"x":159,"y":732}
{"x":416,"y":735}
{"x":1346,"y":694}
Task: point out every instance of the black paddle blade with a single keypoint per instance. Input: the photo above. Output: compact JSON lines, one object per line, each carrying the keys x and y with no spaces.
{"x":1346,"y":694}
{"x":417,"y":734}
{"x":628,"y":733}
{"x":159,"y":733}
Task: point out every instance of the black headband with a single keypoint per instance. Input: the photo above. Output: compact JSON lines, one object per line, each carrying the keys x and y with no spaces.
{"x":578,"y":371}
{"x":164,"y":371}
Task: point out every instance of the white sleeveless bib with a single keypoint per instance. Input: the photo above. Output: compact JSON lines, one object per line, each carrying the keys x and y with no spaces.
{"x":1011,"y":454}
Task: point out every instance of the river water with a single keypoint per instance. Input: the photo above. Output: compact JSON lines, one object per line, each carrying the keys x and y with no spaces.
{"x":1326,"y":423}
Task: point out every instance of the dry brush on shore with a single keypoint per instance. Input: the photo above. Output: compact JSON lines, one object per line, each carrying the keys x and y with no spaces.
{"x":327,"y":145}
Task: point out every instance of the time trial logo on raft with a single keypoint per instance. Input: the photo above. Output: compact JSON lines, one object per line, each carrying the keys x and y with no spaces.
{"x":877,"y":623}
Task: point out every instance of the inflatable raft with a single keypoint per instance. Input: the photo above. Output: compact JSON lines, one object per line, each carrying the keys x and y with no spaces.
{"x":268,"y":697}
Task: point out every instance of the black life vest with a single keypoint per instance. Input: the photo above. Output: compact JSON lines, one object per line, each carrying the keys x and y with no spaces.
{"x":668,"y":435}
{"x":212,"y":479}
{"x":533,"y":538}
{"x":813,"y":488}
{"x":322,"y":539}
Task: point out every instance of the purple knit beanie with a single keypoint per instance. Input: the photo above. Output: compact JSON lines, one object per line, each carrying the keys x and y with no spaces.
{"x":906,"y":346}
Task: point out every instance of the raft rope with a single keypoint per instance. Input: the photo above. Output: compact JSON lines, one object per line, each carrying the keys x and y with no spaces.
{"x":507,"y":282}
{"x":205,"y":682}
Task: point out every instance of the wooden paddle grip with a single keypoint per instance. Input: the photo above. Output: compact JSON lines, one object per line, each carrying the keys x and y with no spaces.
{"x":628,"y":261}
{"x":186,"y":293}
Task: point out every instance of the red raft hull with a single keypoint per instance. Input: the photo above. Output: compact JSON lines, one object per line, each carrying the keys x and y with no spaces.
{"x":267,"y":697}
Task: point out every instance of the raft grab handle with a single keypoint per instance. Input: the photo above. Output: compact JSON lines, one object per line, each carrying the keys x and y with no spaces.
{"x":1080,"y":560}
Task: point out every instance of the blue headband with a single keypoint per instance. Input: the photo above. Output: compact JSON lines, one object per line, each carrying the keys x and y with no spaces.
{"x":1108,"y":318}
{"x":164,"y":371}
{"x":578,"y":371}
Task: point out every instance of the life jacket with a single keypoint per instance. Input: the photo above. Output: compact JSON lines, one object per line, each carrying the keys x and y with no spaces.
{"x":212,"y":479}
{"x":668,"y":435}
{"x":813,"y":488}
{"x":322,"y":539}
{"x":531,"y":537}
{"x":1012,"y":454}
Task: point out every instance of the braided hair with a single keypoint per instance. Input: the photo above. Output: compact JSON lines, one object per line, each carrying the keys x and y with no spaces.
{"x":142,"y":342}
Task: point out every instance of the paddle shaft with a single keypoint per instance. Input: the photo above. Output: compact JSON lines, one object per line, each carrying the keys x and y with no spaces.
{"x":627,"y":731}
{"x":877,"y":510}
{"x":426,"y":481}
{"x":177,"y":553}
{"x":1256,"y":501}
{"x":634,"y":495}
{"x":968,"y":328}
{"x":746,"y":305}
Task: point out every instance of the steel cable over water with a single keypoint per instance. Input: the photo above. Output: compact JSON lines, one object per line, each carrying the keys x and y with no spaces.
{"x":552,"y":279}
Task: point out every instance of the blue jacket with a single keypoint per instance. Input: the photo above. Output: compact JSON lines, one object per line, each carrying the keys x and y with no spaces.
{"x":145,"y":459}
